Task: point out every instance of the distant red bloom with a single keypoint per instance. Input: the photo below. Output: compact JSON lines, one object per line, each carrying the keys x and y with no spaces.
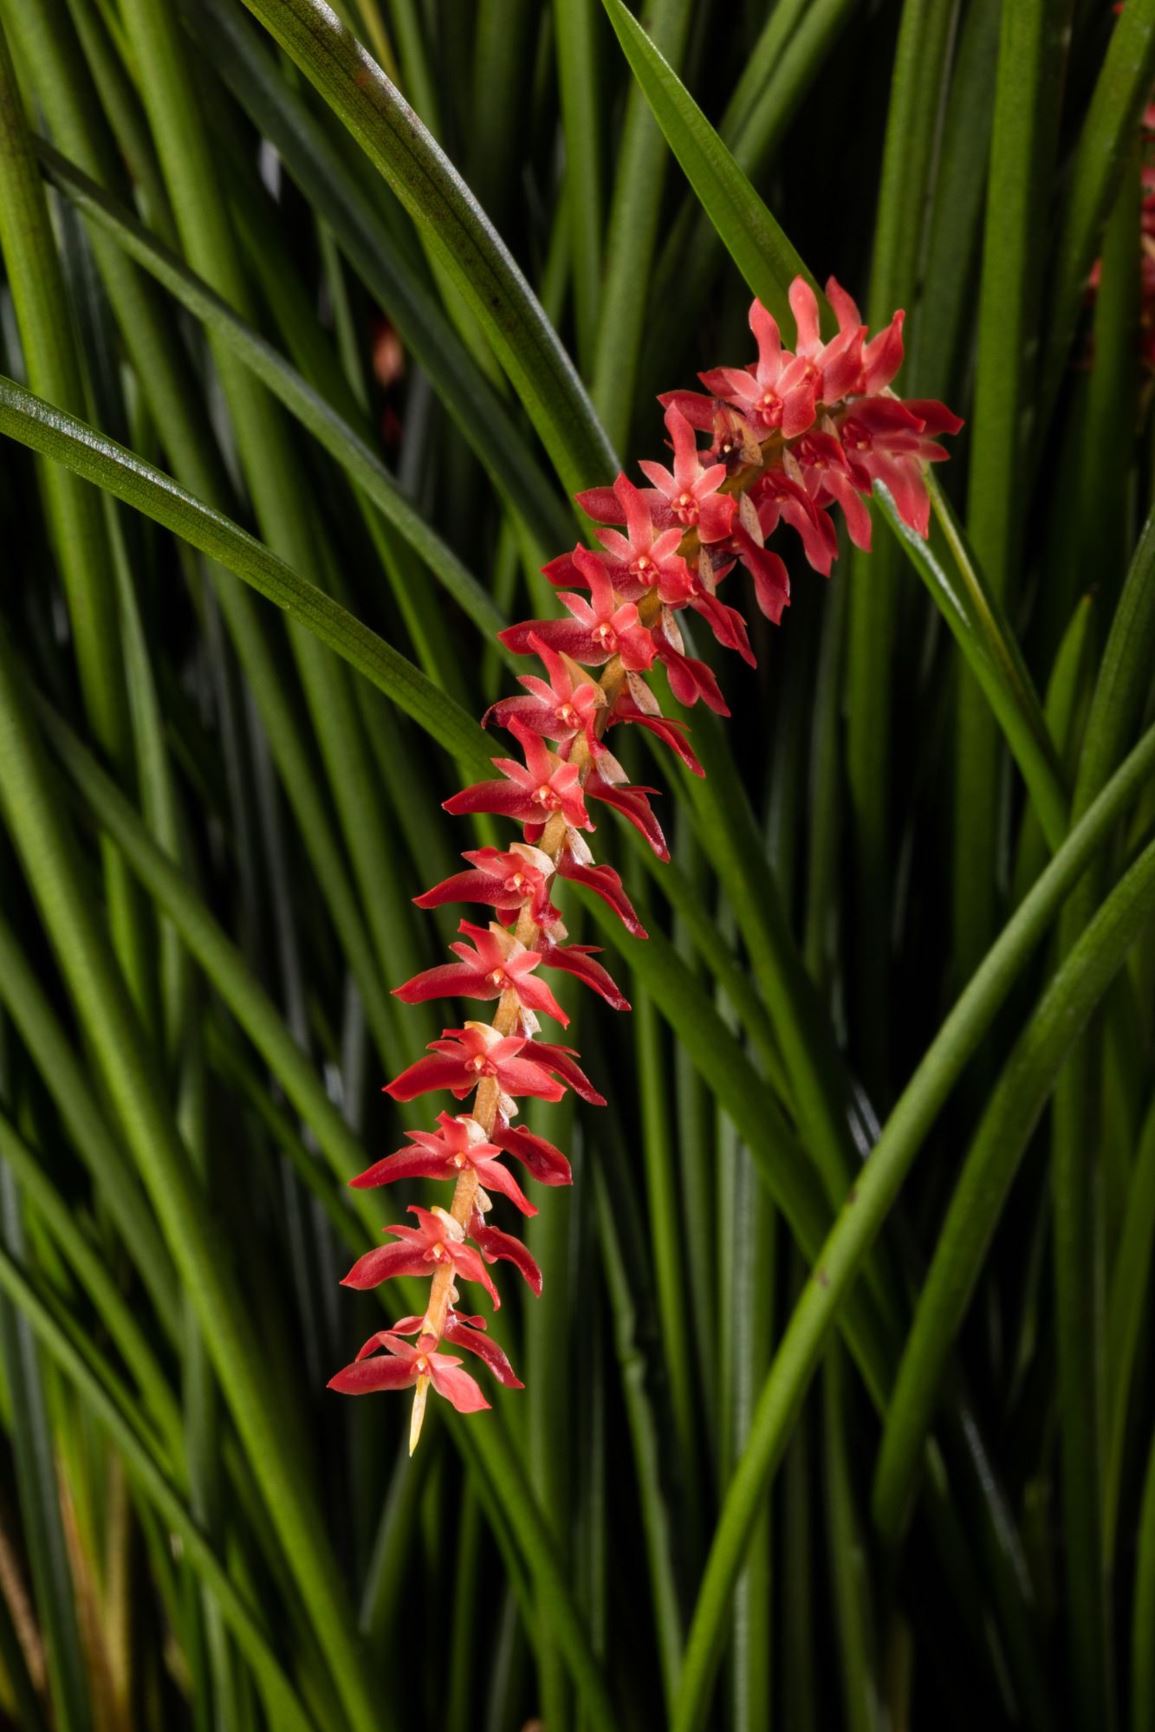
{"x":779,"y":498}
{"x":690,"y":679}
{"x":889,"y":441}
{"x":827,"y":477}
{"x":771,"y":579}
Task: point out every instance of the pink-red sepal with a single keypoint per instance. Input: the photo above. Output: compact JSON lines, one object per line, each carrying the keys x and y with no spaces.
{"x":561,"y":1059}
{"x":605,"y":882}
{"x":578,"y":960}
{"x":499,"y":1247}
{"x":633,"y":803}
{"x":543,"y":1162}
{"x":671,"y":733}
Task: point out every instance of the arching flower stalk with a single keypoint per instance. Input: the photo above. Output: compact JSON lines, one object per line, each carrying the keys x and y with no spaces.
{"x":785,"y":439}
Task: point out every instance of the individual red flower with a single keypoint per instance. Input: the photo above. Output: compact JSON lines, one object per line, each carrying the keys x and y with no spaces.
{"x":402,"y":1364}
{"x":780,"y":498}
{"x":601,"y":628}
{"x":505,"y":881}
{"x":779,"y":392}
{"x":646,"y":557}
{"x":838,"y":365}
{"x":533,"y":791}
{"x":491,"y":963}
{"x":562,"y":1061}
{"x":826,"y":475}
{"x":888,"y":440}
{"x":558,"y":708}
{"x":771,"y":579}
{"x":464,"y":1056}
{"x":470,"y":1333}
{"x":726,"y":623}
{"x":460,"y":1145}
{"x":436,"y":1242}
{"x":689,"y":489}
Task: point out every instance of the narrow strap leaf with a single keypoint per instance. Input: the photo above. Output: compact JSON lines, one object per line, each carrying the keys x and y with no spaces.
{"x":122,"y":473}
{"x":443,"y":207}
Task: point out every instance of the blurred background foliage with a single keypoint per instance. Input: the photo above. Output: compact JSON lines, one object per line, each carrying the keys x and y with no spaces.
{"x":228,"y":250}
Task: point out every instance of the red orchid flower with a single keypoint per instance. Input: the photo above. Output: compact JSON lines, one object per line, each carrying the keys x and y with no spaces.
{"x":690,"y":679}
{"x":402,"y":1364}
{"x":639,"y":706}
{"x":779,"y":498}
{"x":466,"y":1055}
{"x":496,"y":963}
{"x":558,"y":708}
{"x":779,"y":392}
{"x":459,"y":1145}
{"x":632,"y":802}
{"x":827,"y":477}
{"x":470,"y":1333}
{"x":726,"y":623}
{"x":578,"y":960}
{"x":889,"y":441}
{"x":691,"y":491}
{"x":437,"y":1241}
{"x":771,"y":579}
{"x":646,"y":557}
{"x":505,"y":881}
{"x":601,"y":628}
{"x":533,"y":791}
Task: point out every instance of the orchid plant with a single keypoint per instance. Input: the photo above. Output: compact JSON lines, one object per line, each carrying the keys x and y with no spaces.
{"x":786,"y":438}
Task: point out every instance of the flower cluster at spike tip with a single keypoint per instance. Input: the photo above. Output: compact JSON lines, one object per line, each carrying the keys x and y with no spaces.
{"x":778,"y":442}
